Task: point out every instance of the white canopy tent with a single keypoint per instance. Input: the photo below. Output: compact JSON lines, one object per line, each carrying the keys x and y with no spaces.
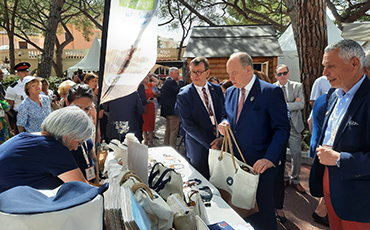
{"x":358,"y":31}
{"x":90,"y":62}
{"x":289,"y":47}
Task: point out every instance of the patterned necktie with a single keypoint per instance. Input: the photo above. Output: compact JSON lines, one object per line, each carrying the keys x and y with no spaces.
{"x":209,"y":108}
{"x":284,"y":91}
{"x":241,"y":103}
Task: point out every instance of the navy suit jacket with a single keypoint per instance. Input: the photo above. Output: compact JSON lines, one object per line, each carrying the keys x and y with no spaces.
{"x":196,"y":122}
{"x":169,"y":92}
{"x":263,"y":127}
{"x":349,"y":183}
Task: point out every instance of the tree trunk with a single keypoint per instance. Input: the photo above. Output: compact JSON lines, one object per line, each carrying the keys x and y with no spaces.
{"x":50,"y":33}
{"x":310,"y":34}
{"x":11,"y":51}
{"x":59,"y":62}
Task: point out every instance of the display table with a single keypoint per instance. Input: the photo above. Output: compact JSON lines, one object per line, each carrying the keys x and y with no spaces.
{"x":218,"y":211}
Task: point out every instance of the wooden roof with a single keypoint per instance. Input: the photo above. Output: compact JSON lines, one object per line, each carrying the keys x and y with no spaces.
{"x":222,"y":41}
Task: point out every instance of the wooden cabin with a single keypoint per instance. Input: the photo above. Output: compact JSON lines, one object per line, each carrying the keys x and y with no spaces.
{"x":217,"y":43}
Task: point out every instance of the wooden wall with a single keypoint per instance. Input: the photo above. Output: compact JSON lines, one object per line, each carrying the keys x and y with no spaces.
{"x":218,"y":67}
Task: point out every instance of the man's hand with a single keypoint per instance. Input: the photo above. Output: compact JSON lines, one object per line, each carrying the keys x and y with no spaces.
{"x":222,"y":127}
{"x":327,"y":156}
{"x":262,"y":165}
{"x":298,"y":99}
{"x":217,"y":143}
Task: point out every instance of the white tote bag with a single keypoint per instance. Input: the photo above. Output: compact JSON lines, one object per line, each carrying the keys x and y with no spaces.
{"x":234,"y":178}
{"x":165,"y":181}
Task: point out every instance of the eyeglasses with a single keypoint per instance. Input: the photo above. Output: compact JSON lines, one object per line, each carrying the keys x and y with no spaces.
{"x":283,"y":73}
{"x":197,"y":73}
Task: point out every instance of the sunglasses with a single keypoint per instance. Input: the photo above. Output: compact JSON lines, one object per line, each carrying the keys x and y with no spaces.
{"x":283,"y":73}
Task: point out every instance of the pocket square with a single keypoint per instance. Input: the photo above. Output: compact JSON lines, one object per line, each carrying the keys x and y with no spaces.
{"x":352,"y":123}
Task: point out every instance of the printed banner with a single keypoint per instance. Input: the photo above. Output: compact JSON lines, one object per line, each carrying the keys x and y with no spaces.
{"x":131,"y":46}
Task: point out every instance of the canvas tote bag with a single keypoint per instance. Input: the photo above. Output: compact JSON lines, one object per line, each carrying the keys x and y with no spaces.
{"x":235,"y":179}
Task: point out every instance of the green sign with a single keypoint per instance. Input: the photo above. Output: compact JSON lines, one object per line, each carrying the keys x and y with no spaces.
{"x":138,"y":4}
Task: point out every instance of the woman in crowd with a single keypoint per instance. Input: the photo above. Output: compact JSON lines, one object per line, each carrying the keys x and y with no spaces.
{"x":225,"y":84}
{"x":46,"y":91}
{"x":63,"y":91}
{"x":81,"y":95}
{"x":92,"y":80}
{"x":43,"y":160}
{"x":35,"y":108}
{"x":149,"y":116}
{"x":214,"y":80}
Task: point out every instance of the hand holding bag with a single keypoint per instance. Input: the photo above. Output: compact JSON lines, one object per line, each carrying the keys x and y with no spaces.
{"x":165,"y":181}
{"x":234,"y":178}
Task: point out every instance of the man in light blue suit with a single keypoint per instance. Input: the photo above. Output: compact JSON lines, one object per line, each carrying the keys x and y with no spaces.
{"x":258,"y":116}
{"x":200,"y":105}
{"x":340,"y":171}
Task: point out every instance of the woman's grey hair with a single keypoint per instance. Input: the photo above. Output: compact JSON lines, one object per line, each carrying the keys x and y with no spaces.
{"x":348,"y":49}
{"x":70,"y":123}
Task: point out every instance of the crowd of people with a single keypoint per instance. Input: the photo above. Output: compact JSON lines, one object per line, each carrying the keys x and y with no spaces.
{"x":265,"y":117}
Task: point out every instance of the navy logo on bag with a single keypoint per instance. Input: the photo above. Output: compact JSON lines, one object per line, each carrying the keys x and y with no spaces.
{"x":229,"y":181}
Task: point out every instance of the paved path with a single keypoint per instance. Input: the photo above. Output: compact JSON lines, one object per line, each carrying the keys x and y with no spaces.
{"x":298,"y":207}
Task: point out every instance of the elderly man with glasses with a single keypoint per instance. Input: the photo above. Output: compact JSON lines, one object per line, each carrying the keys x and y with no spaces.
{"x":15,"y":93}
{"x":293,"y":95}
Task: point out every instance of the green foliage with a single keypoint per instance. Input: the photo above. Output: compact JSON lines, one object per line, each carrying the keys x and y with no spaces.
{"x":306,"y":139}
{"x":9,"y":80}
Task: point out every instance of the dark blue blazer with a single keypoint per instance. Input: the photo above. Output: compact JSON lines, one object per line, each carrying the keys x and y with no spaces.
{"x":196,"y":122}
{"x":263,"y":127}
{"x":169,"y":92}
{"x":349,"y":183}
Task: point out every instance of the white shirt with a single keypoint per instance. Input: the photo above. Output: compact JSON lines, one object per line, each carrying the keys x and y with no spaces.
{"x":16,"y":94}
{"x":247,"y":88}
{"x":201,"y":95}
{"x":319,"y":87}
{"x":286,"y":88}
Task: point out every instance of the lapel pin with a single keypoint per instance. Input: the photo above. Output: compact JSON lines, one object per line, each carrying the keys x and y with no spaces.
{"x":212,"y":88}
{"x":327,"y":113}
{"x":252,"y":98}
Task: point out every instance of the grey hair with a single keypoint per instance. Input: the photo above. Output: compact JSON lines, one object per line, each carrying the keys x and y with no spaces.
{"x":281,"y":66}
{"x":172,"y":69}
{"x":347,"y":50}
{"x":367,"y":60}
{"x":69,"y":122}
{"x":245,"y":59}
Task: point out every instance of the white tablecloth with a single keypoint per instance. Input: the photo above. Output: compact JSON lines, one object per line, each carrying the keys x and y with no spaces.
{"x":218,"y":211}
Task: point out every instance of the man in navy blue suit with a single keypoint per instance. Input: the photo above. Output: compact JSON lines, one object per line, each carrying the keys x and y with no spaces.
{"x":340,"y":171}
{"x":200,"y":105}
{"x":258,"y":117}
{"x":169,"y":92}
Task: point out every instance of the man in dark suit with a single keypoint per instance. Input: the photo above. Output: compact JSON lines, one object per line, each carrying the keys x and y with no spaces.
{"x":340,"y":171}
{"x":258,"y":117}
{"x":169,"y":92}
{"x":200,"y":105}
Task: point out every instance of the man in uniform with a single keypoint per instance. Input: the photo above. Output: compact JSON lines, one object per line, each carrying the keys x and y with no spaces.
{"x":15,"y":93}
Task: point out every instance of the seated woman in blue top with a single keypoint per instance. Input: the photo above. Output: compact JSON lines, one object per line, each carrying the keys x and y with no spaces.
{"x":35,"y":108}
{"x":82,"y":96}
{"x":43,"y":160}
